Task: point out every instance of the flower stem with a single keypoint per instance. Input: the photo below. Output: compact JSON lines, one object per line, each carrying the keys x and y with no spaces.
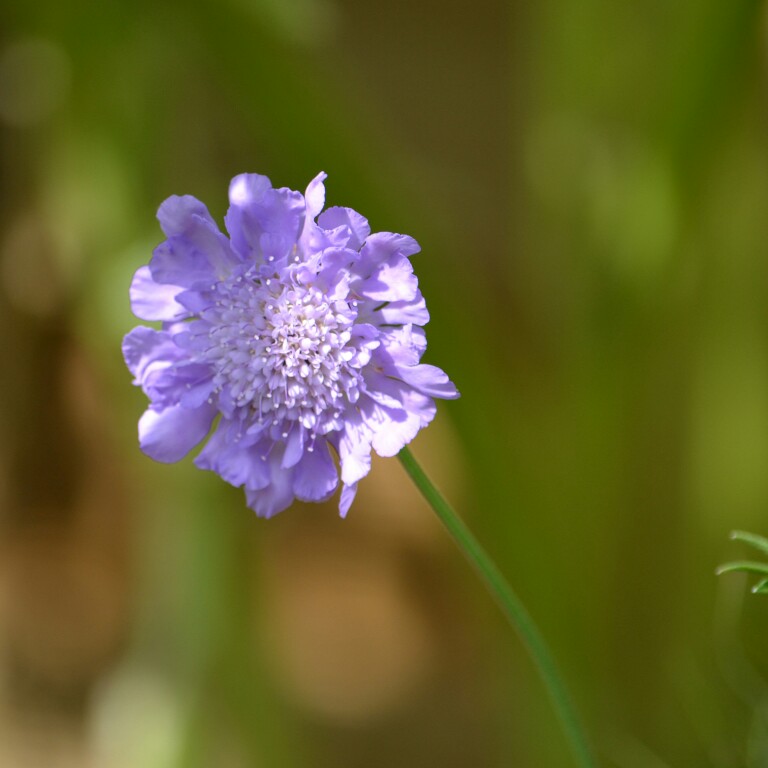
{"x":512,"y":607}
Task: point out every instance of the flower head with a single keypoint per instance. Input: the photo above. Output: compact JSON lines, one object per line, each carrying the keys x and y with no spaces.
{"x":300,"y":332}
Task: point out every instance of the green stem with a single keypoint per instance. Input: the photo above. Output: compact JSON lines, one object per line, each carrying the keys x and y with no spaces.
{"x":512,"y":607}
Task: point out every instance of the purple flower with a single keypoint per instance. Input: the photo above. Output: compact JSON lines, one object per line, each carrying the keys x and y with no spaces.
{"x":300,"y":333}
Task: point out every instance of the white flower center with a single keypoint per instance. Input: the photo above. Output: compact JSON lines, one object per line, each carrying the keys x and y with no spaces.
{"x":284,"y":351}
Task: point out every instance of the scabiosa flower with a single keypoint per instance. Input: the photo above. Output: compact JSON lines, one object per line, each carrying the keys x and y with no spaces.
{"x":300,"y":333}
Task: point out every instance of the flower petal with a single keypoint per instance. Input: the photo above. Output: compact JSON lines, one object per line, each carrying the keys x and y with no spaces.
{"x":316,"y":475}
{"x":394,"y":428}
{"x":170,"y":434}
{"x":381,"y":247}
{"x":356,"y":225}
{"x":429,"y":380}
{"x":403,"y":312}
{"x":402,"y":344}
{"x":315,"y":196}
{"x":383,"y":389}
{"x":142,"y":347}
{"x":195,"y":253}
{"x":354,"y":447}
{"x":294,"y":447}
{"x":264,"y":223}
{"x":348,"y":493}
{"x":391,"y":280}
{"x":195,"y":384}
{"x":237,"y":463}
{"x":177,"y":215}
{"x":154,"y":301}
{"x":276,"y":496}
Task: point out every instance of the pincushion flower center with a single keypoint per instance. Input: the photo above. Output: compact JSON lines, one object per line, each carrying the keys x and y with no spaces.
{"x":283,"y":350}
{"x":303,"y":334}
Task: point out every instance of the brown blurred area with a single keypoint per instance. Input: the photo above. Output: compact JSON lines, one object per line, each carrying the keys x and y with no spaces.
{"x":588,"y":181}
{"x":65,"y":532}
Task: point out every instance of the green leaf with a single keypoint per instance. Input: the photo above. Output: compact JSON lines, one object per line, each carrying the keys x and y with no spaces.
{"x":761,"y":588}
{"x":759,"y":542}
{"x":747,"y":566}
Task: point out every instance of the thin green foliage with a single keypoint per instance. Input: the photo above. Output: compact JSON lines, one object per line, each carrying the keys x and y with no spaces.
{"x":749,"y":566}
{"x":759,"y":542}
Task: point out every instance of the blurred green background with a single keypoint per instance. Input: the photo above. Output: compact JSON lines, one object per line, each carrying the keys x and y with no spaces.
{"x":589,"y":183}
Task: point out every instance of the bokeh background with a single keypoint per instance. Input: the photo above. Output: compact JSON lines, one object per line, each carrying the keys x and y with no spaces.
{"x":589,"y":183}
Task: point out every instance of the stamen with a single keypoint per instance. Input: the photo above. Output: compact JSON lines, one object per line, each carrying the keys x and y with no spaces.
{"x":281,"y":349}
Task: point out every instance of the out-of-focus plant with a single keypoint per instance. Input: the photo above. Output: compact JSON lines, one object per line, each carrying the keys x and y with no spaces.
{"x":750,"y":566}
